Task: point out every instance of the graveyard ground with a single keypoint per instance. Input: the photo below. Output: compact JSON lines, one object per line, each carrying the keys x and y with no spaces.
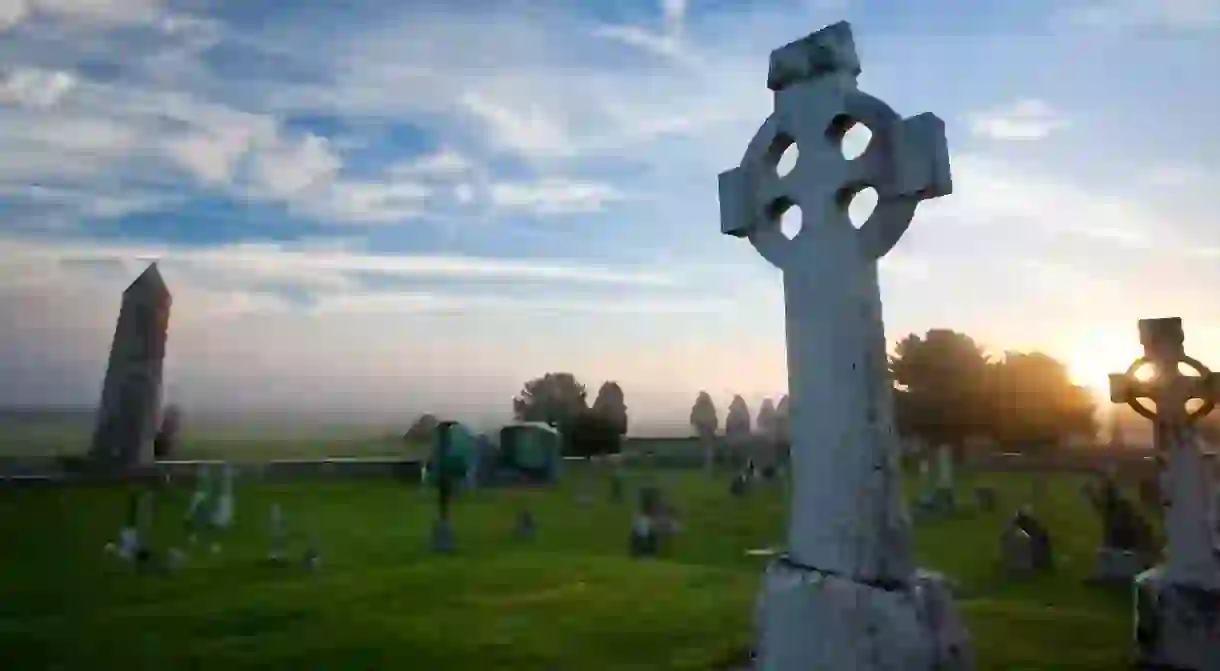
{"x":572,"y":599}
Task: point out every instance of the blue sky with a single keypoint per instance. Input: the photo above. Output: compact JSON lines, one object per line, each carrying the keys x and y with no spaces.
{"x":404,"y":206}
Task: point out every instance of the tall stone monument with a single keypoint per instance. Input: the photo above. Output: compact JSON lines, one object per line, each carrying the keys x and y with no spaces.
{"x":846,"y":595}
{"x":1177,"y":603}
{"x":127,"y":416}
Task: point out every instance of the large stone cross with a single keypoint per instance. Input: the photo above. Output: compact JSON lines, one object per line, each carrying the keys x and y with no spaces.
{"x":846,"y":594}
{"x":1187,"y":492}
{"x":846,"y":504}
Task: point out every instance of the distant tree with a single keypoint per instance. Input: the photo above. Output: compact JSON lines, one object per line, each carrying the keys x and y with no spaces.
{"x":422,"y":430}
{"x":611,"y":406}
{"x":165,"y":444}
{"x":555,"y":398}
{"x":783,"y":421}
{"x":592,"y":434}
{"x":738,"y":422}
{"x":704,"y":421}
{"x":941,"y":388}
{"x":1036,"y":403}
{"x":768,"y":420}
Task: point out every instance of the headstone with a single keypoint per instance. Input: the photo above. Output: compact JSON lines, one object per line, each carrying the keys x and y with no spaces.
{"x":527,"y":526}
{"x":616,"y":487}
{"x":1026,"y":545}
{"x":199,"y":509}
{"x":650,"y":527}
{"x":986,"y":498}
{"x":739,"y":486}
{"x":313,"y":554}
{"x":447,"y":471}
{"x":277,"y":535}
{"x":1126,"y":536}
{"x":1016,"y":552}
{"x":1177,"y":603}
{"x":1150,"y":492}
{"x":127,"y":416}
{"x":847,"y":514}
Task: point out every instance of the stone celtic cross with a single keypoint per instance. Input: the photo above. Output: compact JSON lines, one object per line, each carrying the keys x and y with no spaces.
{"x":846,"y":595}
{"x":1188,"y":494}
{"x":845,"y":505}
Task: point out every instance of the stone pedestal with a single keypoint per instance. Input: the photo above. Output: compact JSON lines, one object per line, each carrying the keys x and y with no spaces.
{"x":1117,"y":566}
{"x":1177,"y":625}
{"x":811,"y":620}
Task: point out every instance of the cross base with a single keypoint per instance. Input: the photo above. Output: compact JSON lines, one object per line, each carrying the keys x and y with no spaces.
{"x":1177,"y":627}
{"x":810,"y":620}
{"x":1113,"y":565}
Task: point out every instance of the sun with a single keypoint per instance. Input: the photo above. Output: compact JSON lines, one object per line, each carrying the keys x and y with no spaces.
{"x":1091,"y":362}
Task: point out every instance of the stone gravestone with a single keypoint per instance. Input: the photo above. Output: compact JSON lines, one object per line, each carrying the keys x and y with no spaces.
{"x":527,"y":527}
{"x":445,"y":476}
{"x":1177,"y":603}
{"x":653,"y":525}
{"x":1126,"y":536}
{"x":132,"y":542}
{"x":277,"y":535}
{"x":739,"y":486}
{"x":222,"y":505}
{"x":848,"y":531}
{"x":945,"y":503}
{"x":616,"y":486}
{"x":985,"y":497}
{"x":127,"y":415}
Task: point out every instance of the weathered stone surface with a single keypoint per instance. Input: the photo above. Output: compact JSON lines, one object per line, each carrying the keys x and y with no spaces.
{"x":848,"y":517}
{"x":127,"y":417}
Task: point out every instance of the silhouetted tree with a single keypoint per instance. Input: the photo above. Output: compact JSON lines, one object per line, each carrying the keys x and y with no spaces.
{"x":704,"y":421}
{"x":738,"y":421}
{"x":165,"y":444}
{"x":767,"y":422}
{"x":555,"y":398}
{"x":612,"y":406}
{"x":592,"y":434}
{"x":1036,"y":403}
{"x":941,"y":388}
{"x":422,"y":430}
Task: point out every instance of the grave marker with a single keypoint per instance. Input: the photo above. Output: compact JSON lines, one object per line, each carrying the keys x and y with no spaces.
{"x":848,"y":529}
{"x":1178,"y":603}
{"x":131,"y":392}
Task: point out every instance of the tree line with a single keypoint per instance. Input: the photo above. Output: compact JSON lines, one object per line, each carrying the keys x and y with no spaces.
{"x":947,"y":389}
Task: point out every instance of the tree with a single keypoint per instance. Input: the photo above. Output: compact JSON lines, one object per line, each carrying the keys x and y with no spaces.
{"x":611,"y":406}
{"x":738,"y":421}
{"x":422,"y":430}
{"x":165,"y":444}
{"x":592,"y":434}
{"x":1036,"y":403}
{"x":941,"y":387}
{"x":555,"y":398}
{"x":783,"y":423}
{"x":768,"y":420}
{"x":704,"y":421}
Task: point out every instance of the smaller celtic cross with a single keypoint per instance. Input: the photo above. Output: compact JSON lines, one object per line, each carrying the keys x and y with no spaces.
{"x":1188,"y":497}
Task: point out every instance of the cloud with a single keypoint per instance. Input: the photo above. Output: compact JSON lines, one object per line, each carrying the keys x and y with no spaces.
{"x":1023,"y":120}
{"x":667,"y":42}
{"x":554,"y":196}
{"x":990,"y":191}
{"x":1185,"y":15}
{"x":102,"y":13}
{"x":310,"y":266}
{"x":34,"y":87}
{"x":1175,"y":175}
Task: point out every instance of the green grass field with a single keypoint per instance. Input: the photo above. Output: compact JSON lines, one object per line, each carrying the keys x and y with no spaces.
{"x":572,"y":599}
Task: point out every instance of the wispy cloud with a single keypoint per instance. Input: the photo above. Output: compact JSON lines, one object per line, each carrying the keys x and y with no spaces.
{"x":1029,"y":119}
{"x":1186,"y":15}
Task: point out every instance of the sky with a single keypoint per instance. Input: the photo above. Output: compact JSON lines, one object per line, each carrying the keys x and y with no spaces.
{"x":397,"y":207}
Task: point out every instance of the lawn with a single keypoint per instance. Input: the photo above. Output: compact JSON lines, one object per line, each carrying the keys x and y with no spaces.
{"x":571,"y":599}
